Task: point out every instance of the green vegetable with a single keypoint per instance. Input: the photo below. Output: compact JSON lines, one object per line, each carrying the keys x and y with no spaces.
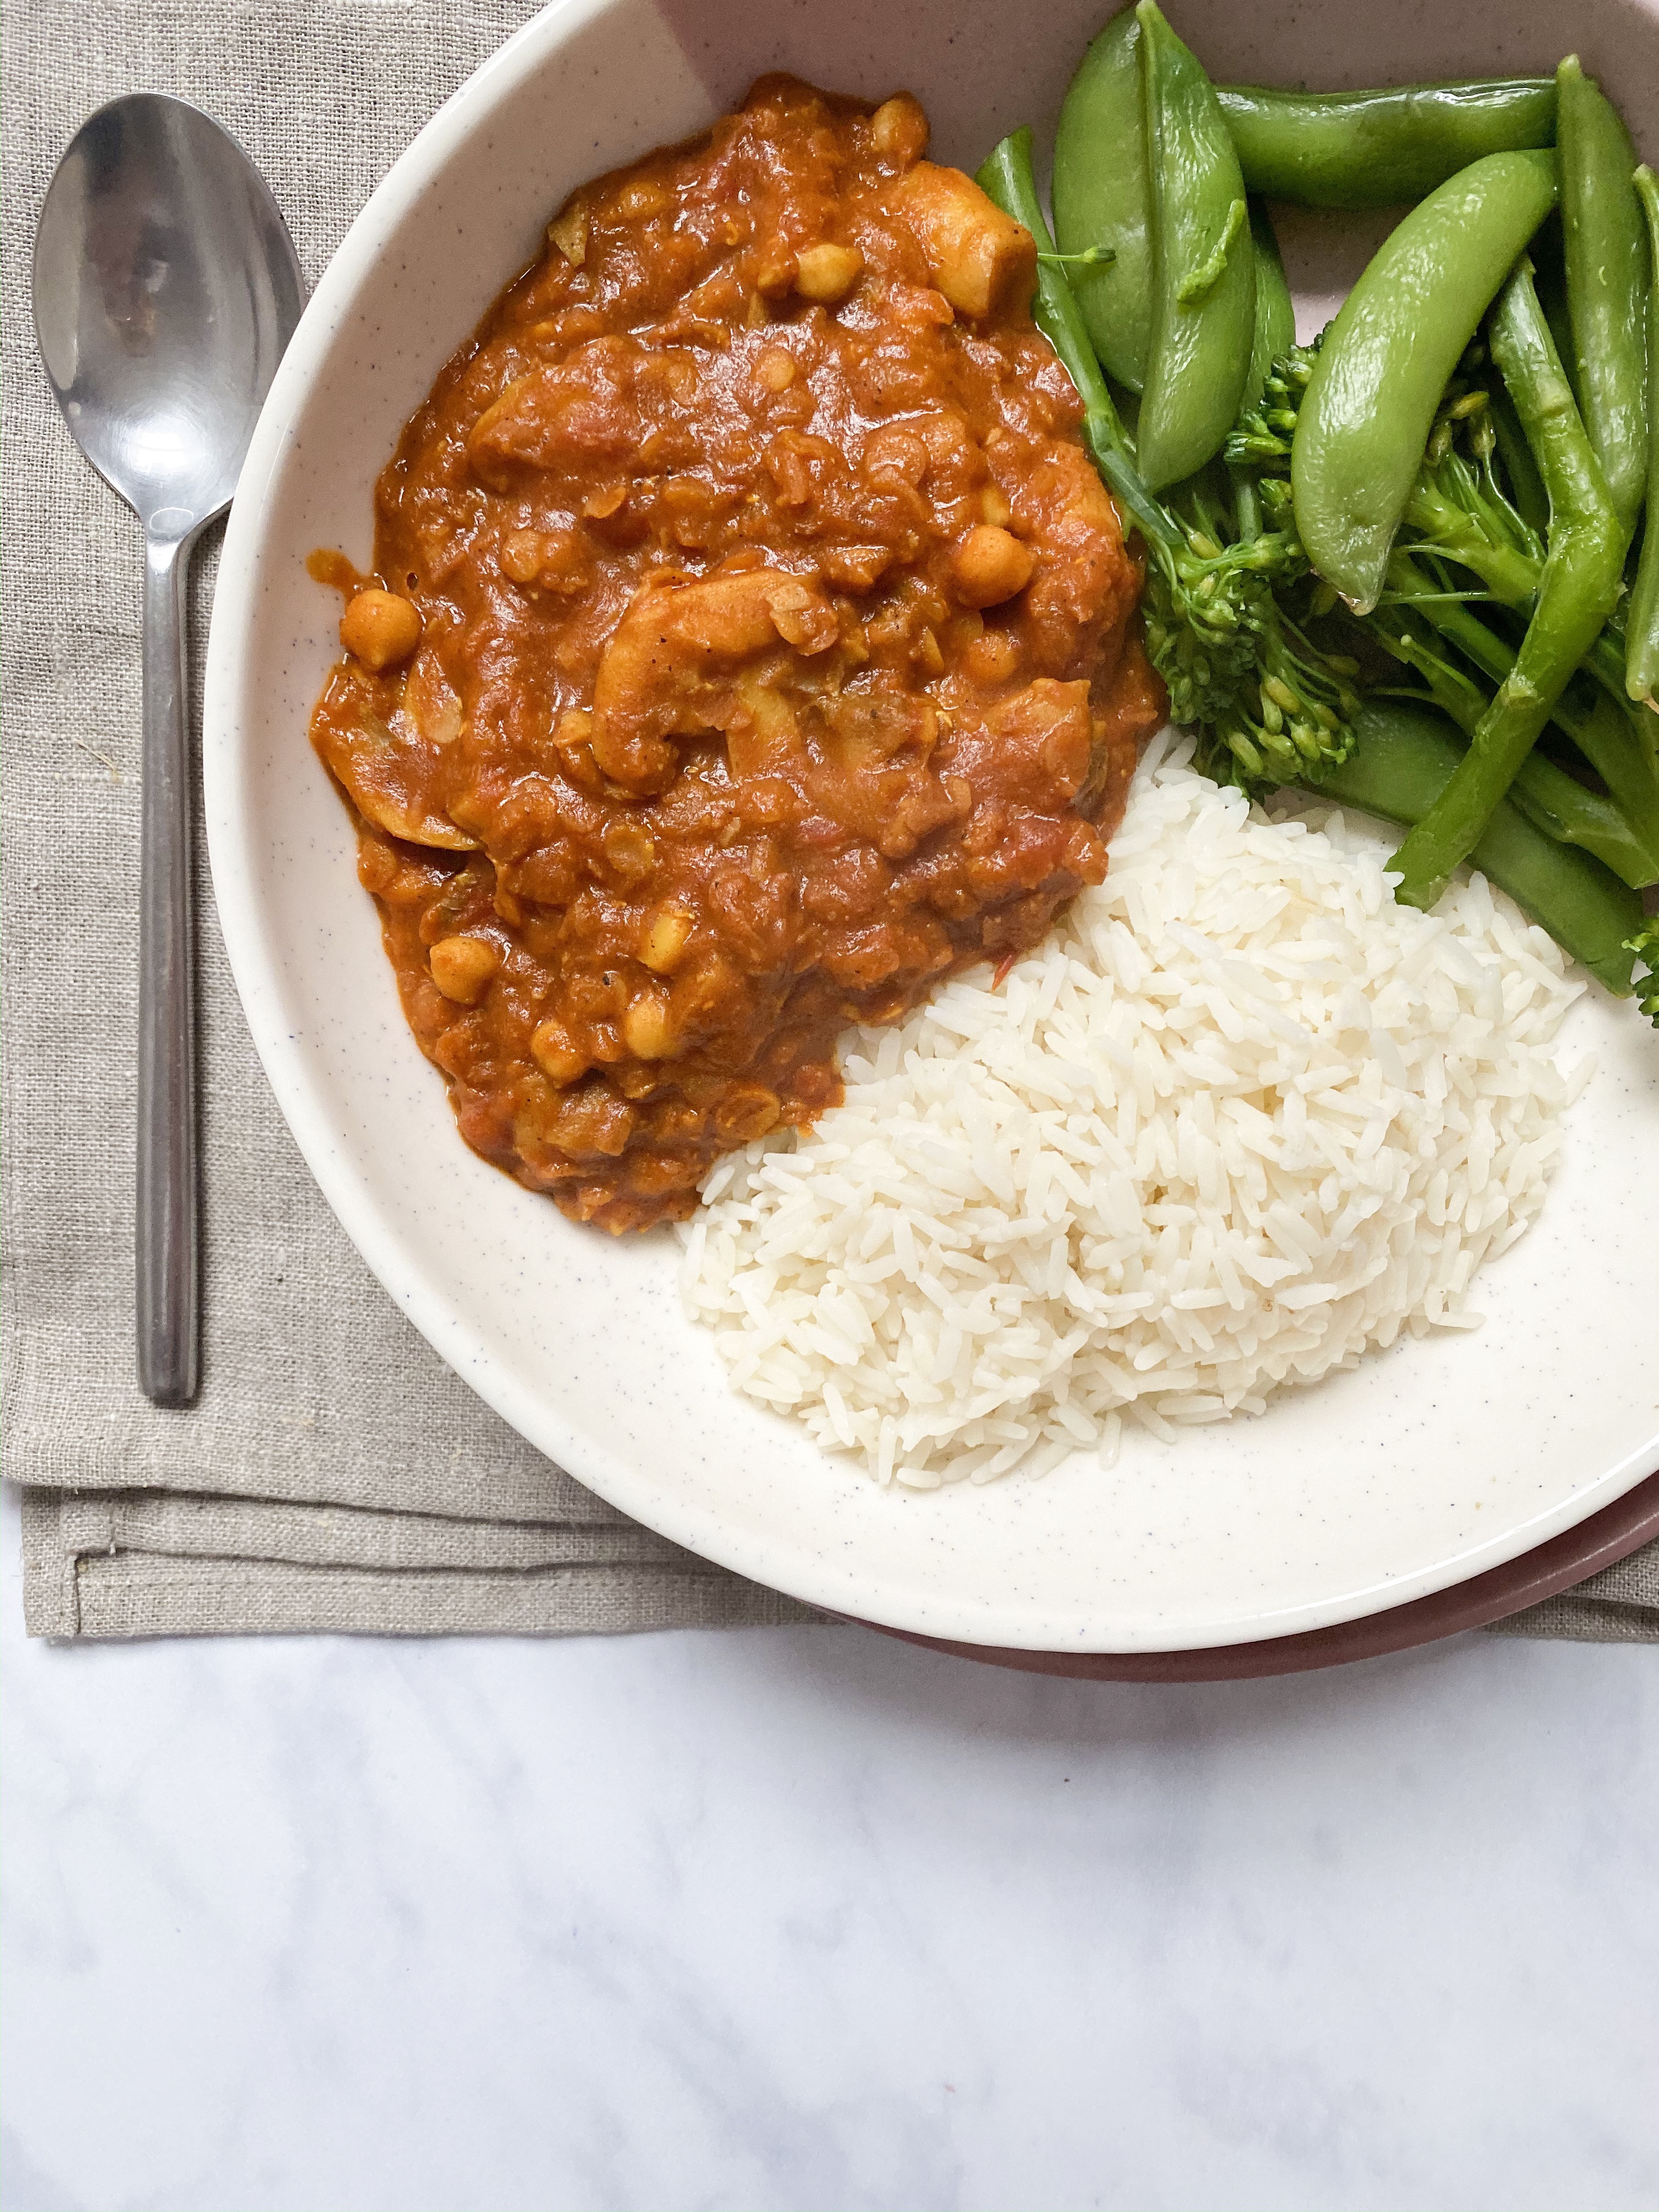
{"x":1385,"y":431}
{"x":1274,"y":329}
{"x":1233,"y":664}
{"x":1403,"y":761}
{"x":1455,"y":508}
{"x":1531,"y":499}
{"x":1458,"y":511}
{"x":1203,"y":264}
{"x":1642,"y":619}
{"x":1597,"y":723}
{"x":1377,"y":382}
{"x":1549,"y":277}
{"x":1645,"y":947}
{"x":1237,"y":668}
{"x":1366,"y":149}
{"x":1275,"y":334}
{"x":1580,"y":587}
{"x":1606,"y":264}
{"x":1558,"y":802}
{"x":1006,"y":178}
{"x":1101,"y":197}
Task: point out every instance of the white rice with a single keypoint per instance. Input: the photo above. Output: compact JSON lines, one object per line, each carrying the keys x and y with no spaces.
{"x":1241,"y":1119}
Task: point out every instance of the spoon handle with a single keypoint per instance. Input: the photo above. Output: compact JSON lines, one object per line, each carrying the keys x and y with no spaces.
{"x":168,"y":1241}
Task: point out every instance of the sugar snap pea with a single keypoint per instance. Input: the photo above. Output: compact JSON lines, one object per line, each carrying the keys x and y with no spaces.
{"x":1378,"y":378}
{"x":1365,"y":149}
{"x":1579,"y":588}
{"x":1642,"y":618}
{"x":1405,"y":758}
{"x":1203,"y":262}
{"x":1606,"y":250}
{"x":1101,"y":197}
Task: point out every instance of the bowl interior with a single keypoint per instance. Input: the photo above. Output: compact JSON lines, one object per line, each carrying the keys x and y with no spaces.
{"x":1432,"y":1463}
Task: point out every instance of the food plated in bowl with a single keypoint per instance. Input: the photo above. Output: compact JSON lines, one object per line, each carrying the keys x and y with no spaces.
{"x":579,"y":1340}
{"x":721,"y":652}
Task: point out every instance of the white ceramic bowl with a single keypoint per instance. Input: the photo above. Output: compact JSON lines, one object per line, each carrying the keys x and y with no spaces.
{"x":1435,"y":1462}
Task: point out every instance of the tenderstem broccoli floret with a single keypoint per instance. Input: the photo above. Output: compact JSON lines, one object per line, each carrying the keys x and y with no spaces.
{"x":1645,"y":945}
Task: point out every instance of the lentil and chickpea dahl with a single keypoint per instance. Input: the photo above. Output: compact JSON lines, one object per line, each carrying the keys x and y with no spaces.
{"x":751,"y":648}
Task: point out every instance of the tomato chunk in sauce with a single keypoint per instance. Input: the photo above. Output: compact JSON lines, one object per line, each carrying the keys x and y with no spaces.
{"x":750,"y":648}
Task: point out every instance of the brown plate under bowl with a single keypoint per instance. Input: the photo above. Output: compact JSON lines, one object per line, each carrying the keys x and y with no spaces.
{"x":1606,"y":1538}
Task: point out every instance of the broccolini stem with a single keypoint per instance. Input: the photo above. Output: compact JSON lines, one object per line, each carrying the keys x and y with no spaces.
{"x":1551,"y":799}
{"x":1006,"y":178}
{"x":1603,"y":731}
{"x":1458,"y":529}
{"x":1531,"y":500}
{"x":1578,"y":590}
{"x":1405,"y":758}
{"x":1233,"y":665}
{"x":1460,"y":513}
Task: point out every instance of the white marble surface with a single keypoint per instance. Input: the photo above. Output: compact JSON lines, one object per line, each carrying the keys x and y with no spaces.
{"x":806,"y":1919}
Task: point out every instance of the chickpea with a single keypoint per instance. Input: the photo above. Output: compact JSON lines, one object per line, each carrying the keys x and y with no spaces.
{"x":892,"y":451}
{"x":641,"y":199}
{"x":555,"y":559}
{"x":380,"y":629}
{"x":461,"y":968}
{"x":521,"y":555}
{"x":775,"y":369}
{"x":898,"y":128}
{"x":629,"y":847}
{"x":647,"y":1030}
{"x":664,"y":938}
{"x":747,"y":1111}
{"x":556,"y":1054}
{"x":994,"y":507}
{"x":994,"y":658}
{"x":683,"y":379}
{"x":828,"y":273}
{"x":990,"y":566}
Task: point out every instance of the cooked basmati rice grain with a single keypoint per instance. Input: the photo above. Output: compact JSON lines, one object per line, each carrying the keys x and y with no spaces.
{"x":1239,"y":1120}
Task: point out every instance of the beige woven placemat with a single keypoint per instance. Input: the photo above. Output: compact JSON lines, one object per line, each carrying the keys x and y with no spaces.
{"x":335,"y":1474}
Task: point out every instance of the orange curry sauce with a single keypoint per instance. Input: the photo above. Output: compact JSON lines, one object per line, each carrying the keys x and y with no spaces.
{"x":751,"y":649}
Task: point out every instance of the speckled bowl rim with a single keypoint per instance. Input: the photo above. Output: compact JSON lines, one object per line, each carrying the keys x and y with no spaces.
{"x":378,"y":1237}
{"x":1556,"y":1565}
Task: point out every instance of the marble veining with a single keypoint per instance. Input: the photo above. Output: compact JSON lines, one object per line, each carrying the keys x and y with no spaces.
{"x":806,"y":1921}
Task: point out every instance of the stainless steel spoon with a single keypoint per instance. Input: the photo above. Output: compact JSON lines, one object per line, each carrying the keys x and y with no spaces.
{"x":166,"y":288}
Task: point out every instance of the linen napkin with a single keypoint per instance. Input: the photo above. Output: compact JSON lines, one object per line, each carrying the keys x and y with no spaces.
{"x":334,"y":1474}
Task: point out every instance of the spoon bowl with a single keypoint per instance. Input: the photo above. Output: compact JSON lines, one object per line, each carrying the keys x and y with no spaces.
{"x":165,"y":288}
